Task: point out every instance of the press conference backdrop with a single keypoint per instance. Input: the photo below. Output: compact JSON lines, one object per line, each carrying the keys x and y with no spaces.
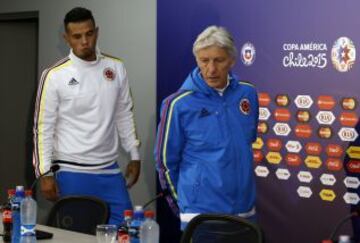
{"x":303,"y":58}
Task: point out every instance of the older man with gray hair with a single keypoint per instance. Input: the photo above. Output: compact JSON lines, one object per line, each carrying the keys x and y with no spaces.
{"x":203,"y":151}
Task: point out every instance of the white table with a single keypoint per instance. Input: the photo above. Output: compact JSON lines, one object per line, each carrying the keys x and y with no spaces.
{"x":62,"y":236}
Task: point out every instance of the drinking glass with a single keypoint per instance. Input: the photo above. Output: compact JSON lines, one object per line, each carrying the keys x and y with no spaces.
{"x":106,"y":233}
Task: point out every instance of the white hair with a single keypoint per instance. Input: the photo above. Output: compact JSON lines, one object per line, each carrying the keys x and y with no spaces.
{"x":218,"y":36}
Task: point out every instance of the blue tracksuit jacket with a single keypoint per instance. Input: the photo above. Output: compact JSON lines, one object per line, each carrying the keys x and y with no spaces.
{"x":203,"y":151}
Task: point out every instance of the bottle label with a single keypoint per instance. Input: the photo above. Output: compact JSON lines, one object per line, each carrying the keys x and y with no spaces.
{"x":7,"y":216}
{"x":27,"y":230}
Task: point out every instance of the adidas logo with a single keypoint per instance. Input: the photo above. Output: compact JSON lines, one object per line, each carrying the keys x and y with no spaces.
{"x":73,"y":82}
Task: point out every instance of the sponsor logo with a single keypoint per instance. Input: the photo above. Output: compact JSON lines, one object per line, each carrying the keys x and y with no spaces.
{"x":325,"y":117}
{"x":248,"y":53}
{"x":293,"y":146}
{"x":303,"y":131}
{"x":352,"y":182}
{"x":343,"y":54}
{"x":274,"y":144}
{"x":326,"y":102}
{"x":351,"y":198}
{"x":334,"y":164}
{"x":282,"y":115}
{"x":109,"y":74}
{"x":353,"y":166}
{"x":258,"y":144}
{"x":293,"y":159}
{"x":327,"y":195}
{"x":303,"y":116}
{"x":328,"y":179}
{"x":348,"y":119}
{"x":282,"y":129}
{"x":348,"y":134}
{"x":313,"y":162}
{"x":264,"y":113}
{"x":274,"y":157}
{"x":257,"y":155}
{"x":282,"y":174}
{"x":262,"y":127}
{"x":303,"y":101}
{"x":305,"y":176}
{"x":305,"y":55}
{"x":245,"y":106}
{"x":325,"y":132}
{"x":264,"y":99}
{"x":73,"y":82}
{"x":282,"y":100}
{"x":313,"y":148}
{"x":353,"y":152}
{"x":334,"y":150}
{"x":304,"y":191}
{"x":348,"y":103}
{"x":261,"y":171}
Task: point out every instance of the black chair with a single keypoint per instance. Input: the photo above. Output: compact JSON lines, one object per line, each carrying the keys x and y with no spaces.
{"x":219,"y":228}
{"x":78,"y":213}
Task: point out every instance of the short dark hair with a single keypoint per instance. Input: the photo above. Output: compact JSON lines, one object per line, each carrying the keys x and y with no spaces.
{"x":78,"y":14}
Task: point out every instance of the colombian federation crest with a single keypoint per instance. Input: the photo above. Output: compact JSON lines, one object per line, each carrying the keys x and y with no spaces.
{"x":244,"y":106}
{"x":248,"y":53}
{"x":343,"y":54}
{"x":109,"y":74}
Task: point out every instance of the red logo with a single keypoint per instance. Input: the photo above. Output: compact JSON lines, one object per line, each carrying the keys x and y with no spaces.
{"x":303,"y":131}
{"x":274,"y":144}
{"x":293,"y":159}
{"x":334,"y":150}
{"x":326,"y":102}
{"x":258,"y":156}
{"x":245,"y":106}
{"x":109,"y":74}
{"x":313,"y":148}
{"x":334,"y":164}
{"x":282,"y":114}
{"x":264,"y":99}
{"x":348,"y":119}
{"x":353,"y":166}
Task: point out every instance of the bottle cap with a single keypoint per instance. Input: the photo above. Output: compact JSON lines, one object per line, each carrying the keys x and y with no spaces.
{"x":149,"y":214}
{"x":11,"y":192}
{"x":138,"y":208}
{"x":128,"y":213}
{"x":28,"y":193}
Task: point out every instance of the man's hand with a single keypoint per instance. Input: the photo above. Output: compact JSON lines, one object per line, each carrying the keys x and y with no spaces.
{"x":132,"y":172}
{"x":49,"y":188}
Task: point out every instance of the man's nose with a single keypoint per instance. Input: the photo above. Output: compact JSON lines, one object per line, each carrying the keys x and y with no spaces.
{"x":84,"y":40}
{"x":212,"y":67}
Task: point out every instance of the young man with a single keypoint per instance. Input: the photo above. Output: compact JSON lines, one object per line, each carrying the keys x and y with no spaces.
{"x":83,"y":110}
{"x":203,"y":151}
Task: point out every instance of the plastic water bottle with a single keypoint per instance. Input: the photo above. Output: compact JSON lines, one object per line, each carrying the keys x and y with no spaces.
{"x":28,"y":239}
{"x":7,"y":217}
{"x":135,"y":224}
{"x":28,"y":210}
{"x":15,"y":211}
{"x":149,"y":230}
{"x":123,"y":233}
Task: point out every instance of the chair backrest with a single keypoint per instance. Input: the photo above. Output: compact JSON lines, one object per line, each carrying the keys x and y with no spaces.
{"x":78,"y":213}
{"x":219,"y":228}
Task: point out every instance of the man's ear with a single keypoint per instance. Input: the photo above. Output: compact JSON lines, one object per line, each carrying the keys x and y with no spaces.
{"x":65,"y":36}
